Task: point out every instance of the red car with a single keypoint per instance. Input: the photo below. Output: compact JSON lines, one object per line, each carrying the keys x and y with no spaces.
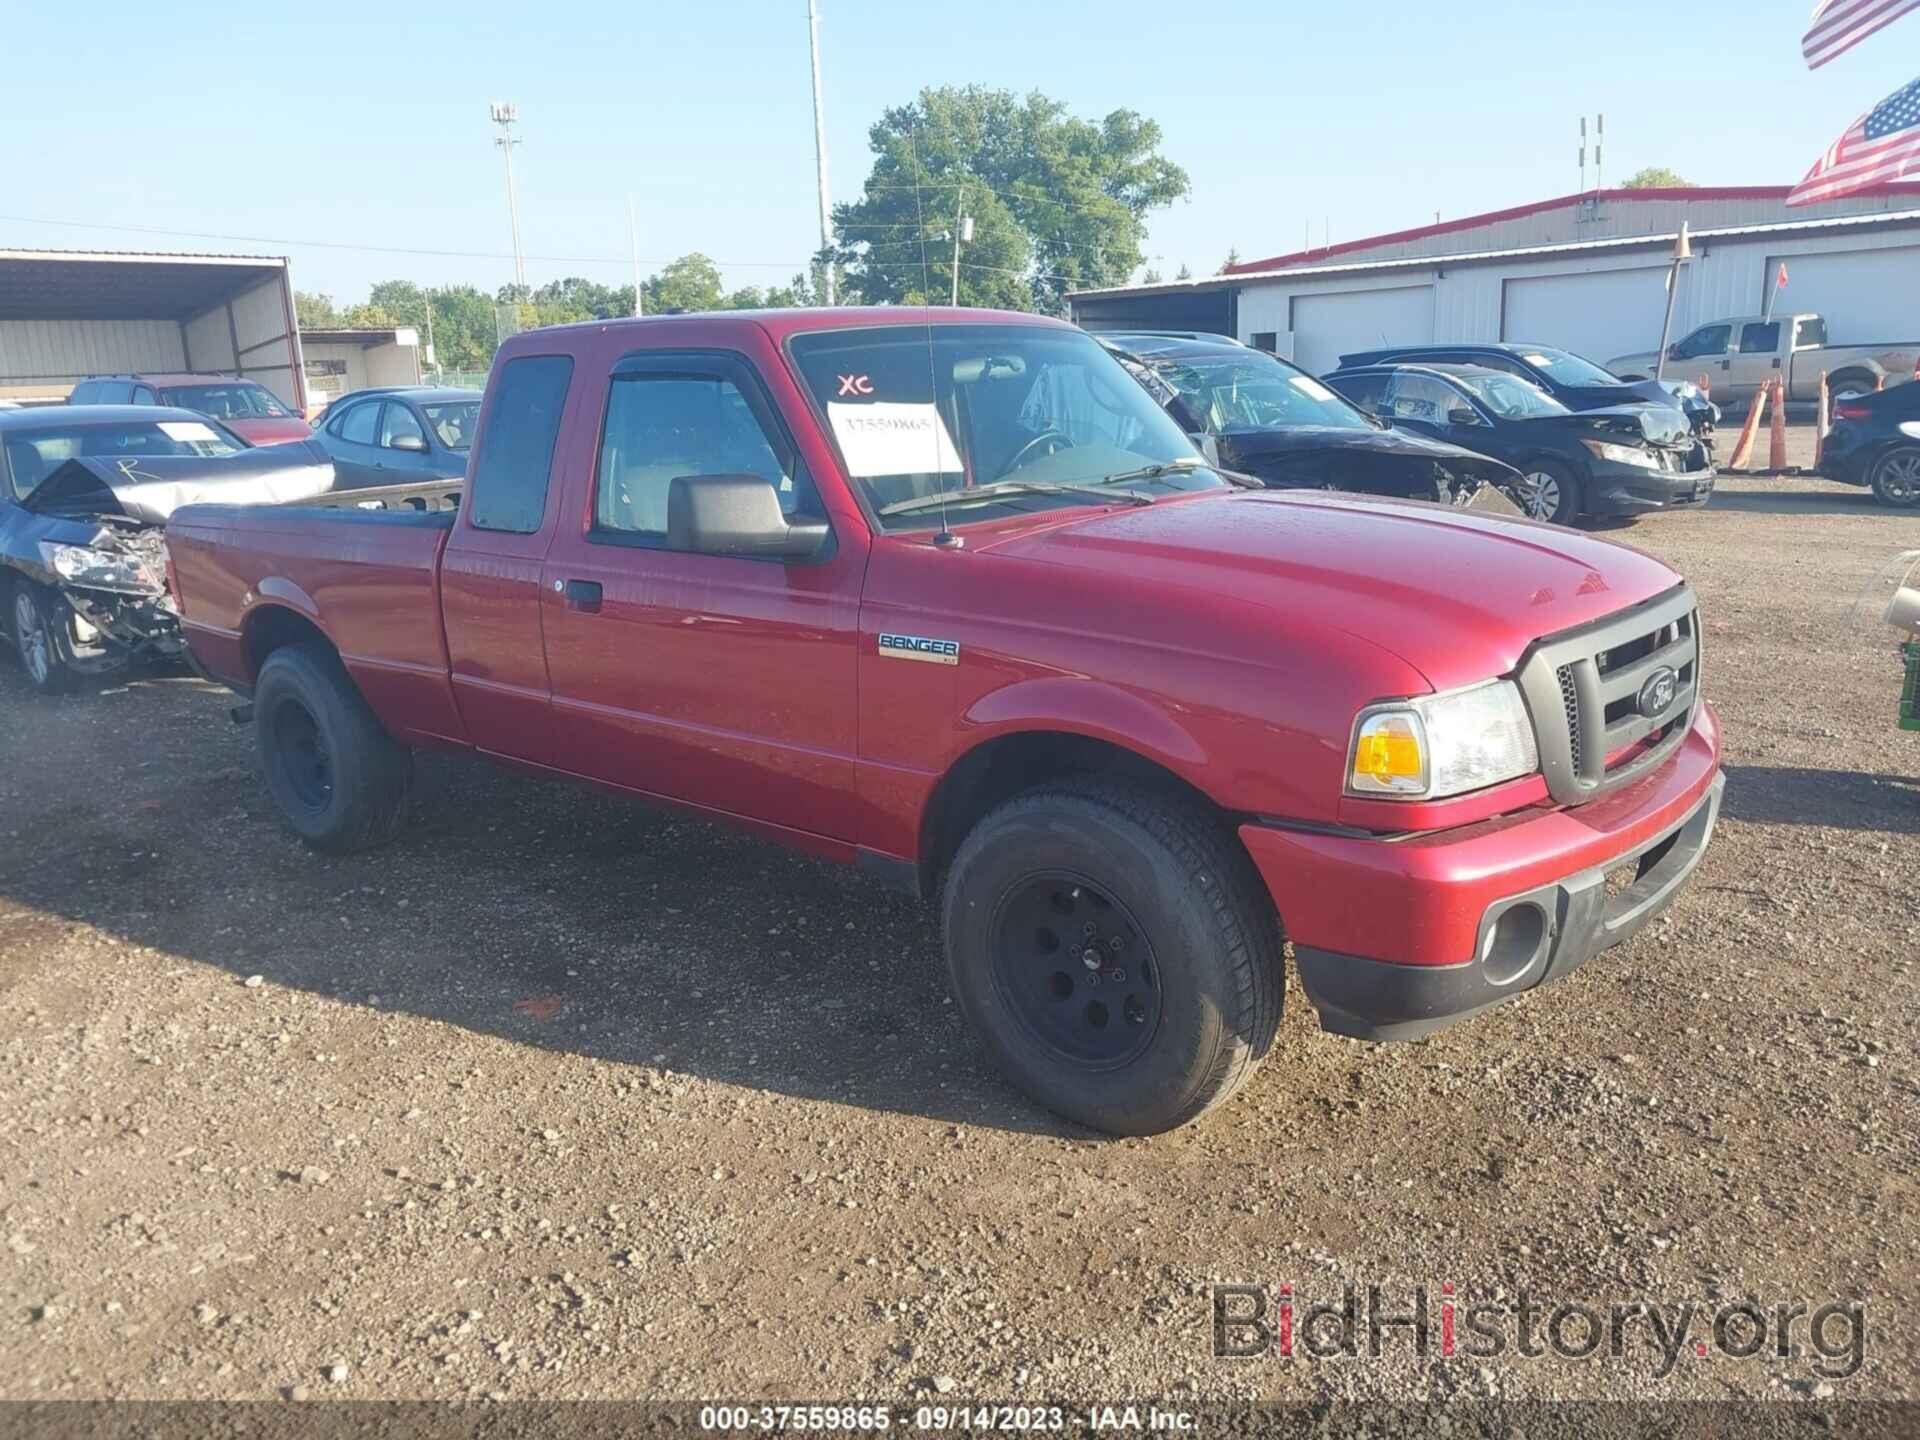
{"x":247,"y":408}
{"x":944,"y":594}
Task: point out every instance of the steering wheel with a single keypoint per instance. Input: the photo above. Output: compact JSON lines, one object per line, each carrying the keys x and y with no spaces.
{"x":1053,"y":438}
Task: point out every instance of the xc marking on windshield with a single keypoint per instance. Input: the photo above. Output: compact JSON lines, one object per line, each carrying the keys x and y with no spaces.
{"x":855,"y":385}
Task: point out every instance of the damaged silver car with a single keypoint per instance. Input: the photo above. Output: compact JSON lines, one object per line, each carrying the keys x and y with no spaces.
{"x":85,"y":492}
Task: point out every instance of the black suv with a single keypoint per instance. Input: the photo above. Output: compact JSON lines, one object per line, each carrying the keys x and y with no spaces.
{"x":1574,"y":381}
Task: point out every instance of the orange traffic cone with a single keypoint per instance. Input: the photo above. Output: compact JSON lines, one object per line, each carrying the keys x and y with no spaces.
{"x":1777,"y":436}
{"x":1743,"y":447}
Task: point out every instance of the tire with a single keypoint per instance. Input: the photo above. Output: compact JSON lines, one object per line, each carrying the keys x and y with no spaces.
{"x":1896,"y":477}
{"x":1152,"y":889}
{"x":1552,"y":493}
{"x":1852,"y":387}
{"x":42,"y":637}
{"x":339,"y":780}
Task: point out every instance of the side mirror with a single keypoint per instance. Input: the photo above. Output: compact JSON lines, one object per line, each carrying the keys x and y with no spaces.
{"x":736,"y":515}
{"x":1462,"y":416}
{"x":417,"y":444}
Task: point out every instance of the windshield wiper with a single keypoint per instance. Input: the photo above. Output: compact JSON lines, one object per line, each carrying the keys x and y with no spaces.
{"x":1016,"y":487}
{"x":1155,"y":471}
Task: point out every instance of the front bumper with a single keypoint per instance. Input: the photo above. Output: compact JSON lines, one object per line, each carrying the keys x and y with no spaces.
{"x":1397,"y":937}
{"x":1630,"y":490}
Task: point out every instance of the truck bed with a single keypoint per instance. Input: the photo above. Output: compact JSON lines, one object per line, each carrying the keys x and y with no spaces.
{"x":372,"y":573}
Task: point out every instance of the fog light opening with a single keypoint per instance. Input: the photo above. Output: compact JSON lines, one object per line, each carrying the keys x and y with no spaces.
{"x":1513,"y":942}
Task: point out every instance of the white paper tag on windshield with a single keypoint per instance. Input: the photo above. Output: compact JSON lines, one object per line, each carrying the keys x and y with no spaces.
{"x":887,"y":438}
{"x":1311,"y":386}
{"x":1539,"y":360}
{"x":186,"y":430}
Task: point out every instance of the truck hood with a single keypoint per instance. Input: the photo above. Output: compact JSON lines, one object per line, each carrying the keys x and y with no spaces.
{"x":1458,"y":595}
{"x":150,"y":488}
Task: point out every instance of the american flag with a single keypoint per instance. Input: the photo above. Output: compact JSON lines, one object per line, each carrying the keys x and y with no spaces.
{"x":1880,"y":146}
{"x":1839,"y":25}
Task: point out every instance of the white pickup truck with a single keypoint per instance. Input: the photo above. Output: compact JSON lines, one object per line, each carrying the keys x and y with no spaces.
{"x":1740,"y":354}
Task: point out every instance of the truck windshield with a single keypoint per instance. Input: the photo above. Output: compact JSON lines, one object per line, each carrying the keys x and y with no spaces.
{"x":1255,"y":391}
{"x":918,"y":411}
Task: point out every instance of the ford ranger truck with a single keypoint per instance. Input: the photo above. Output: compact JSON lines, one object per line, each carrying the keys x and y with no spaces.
{"x":945,"y":595}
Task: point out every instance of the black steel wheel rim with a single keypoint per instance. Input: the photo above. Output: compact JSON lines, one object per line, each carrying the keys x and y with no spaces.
{"x":301,"y":756}
{"x":1076,"y":970}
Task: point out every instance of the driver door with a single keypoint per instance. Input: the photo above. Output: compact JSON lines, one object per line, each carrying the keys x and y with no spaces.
{"x":1707,"y":351}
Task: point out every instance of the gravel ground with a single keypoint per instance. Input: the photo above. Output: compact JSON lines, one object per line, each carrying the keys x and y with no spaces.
{"x":558,"y":1097}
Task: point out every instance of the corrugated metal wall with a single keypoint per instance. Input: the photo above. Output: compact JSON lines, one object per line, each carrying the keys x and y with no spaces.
{"x":42,"y":358}
{"x":1725,"y":278}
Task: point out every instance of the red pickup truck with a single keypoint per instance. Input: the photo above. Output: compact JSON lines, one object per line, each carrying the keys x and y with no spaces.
{"x":944,"y":594}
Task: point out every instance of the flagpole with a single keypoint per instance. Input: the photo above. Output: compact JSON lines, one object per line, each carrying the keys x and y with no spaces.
{"x":1682,"y":250}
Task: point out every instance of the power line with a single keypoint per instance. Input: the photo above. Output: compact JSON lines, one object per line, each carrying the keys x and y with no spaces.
{"x":384,"y":249}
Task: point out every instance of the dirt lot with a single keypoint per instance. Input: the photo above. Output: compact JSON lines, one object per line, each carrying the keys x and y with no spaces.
{"x":559,"y":1097}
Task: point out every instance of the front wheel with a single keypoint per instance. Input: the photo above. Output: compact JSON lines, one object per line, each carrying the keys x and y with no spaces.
{"x":43,"y":634}
{"x":1896,"y":477}
{"x":339,"y":780}
{"x":1552,"y":492}
{"x":1116,"y":951}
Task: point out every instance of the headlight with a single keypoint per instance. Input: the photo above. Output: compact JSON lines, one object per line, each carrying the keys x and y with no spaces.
{"x":93,"y":569}
{"x":1623,"y":454}
{"x":1441,"y":745}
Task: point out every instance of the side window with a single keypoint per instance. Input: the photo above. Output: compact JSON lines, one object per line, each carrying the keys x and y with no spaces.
{"x":659,"y":426}
{"x":1369,"y":392}
{"x":106,"y":392}
{"x":1707,"y":340}
{"x":143,"y":396}
{"x":1420,"y":397}
{"x":1267,"y":340}
{"x":1760,"y":339}
{"x":1812,"y":331}
{"x":514,"y":459}
{"x":357,"y":425}
{"x":399,"y":422}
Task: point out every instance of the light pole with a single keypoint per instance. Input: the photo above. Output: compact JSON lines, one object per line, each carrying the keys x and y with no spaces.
{"x":820,"y":146}
{"x":962,"y":230}
{"x":506,"y":115}
{"x":1682,"y":251}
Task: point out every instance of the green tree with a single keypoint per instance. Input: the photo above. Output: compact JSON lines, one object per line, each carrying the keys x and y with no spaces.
{"x":1058,"y":202}
{"x":314,"y":311}
{"x":690,"y":283}
{"x":1233,"y":259}
{"x":1656,"y":177}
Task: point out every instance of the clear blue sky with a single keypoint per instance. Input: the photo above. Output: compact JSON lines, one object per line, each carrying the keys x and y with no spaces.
{"x":367,"y":125}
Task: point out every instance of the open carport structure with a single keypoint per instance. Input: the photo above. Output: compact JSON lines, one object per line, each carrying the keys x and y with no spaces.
{"x":65,"y":314}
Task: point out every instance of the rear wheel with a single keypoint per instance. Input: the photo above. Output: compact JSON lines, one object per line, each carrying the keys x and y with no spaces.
{"x":1850,"y":387}
{"x":1116,"y":951}
{"x":1896,"y":477}
{"x":1552,"y":492}
{"x":42,"y":633}
{"x":339,"y":780}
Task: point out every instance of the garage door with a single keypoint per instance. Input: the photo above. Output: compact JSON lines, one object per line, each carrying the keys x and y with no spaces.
{"x":1327,"y":326}
{"x":1596,"y":314}
{"x":1866,"y":295}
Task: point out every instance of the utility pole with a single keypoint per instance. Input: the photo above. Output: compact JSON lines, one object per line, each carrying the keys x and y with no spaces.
{"x":633,"y":244}
{"x":962,"y":230}
{"x":506,"y":115}
{"x":1682,"y":252}
{"x":433,"y":362}
{"x":820,"y":146}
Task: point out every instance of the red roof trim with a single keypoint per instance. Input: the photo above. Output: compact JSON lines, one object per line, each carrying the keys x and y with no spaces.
{"x":1520,"y":212}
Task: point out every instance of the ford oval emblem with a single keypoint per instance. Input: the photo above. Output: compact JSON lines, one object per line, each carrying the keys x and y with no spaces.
{"x":1656,"y":696}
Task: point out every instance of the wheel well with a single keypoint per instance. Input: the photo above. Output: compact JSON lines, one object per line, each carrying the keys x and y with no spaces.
{"x":995,"y":772}
{"x":1865,"y":377}
{"x":1633,"y":377}
{"x":271,"y":627}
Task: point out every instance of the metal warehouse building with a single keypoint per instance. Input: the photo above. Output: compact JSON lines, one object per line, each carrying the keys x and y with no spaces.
{"x":1584,"y":272}
{"x":65,"y":314}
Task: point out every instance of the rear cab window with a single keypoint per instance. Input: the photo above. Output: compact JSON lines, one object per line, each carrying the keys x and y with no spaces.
{"x":514,"y":459}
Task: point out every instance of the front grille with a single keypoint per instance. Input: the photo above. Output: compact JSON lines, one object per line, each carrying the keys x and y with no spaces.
{"x":1596,"y":707}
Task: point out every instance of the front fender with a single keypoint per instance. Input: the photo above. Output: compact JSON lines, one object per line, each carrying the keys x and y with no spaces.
{"x":1082,"y":706}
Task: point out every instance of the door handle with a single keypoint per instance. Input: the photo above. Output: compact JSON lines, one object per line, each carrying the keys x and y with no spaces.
{"x":582,"y":595}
